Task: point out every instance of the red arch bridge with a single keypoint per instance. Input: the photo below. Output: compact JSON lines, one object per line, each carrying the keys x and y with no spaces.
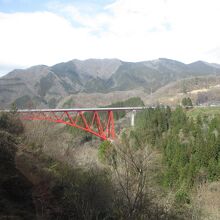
{"x":97,"y":121}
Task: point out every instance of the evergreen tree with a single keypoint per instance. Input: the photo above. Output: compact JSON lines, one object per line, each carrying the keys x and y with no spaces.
{"x":187,"y":102}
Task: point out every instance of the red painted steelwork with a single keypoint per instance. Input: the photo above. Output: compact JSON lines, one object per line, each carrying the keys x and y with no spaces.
{"x":93,"y":123}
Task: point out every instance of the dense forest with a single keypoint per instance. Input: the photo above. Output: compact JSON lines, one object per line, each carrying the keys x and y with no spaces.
{"x":190,"y":146}
{"x":169,"y":151}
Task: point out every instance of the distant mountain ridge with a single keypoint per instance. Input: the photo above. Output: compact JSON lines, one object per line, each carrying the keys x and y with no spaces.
{"x":47,"y":85}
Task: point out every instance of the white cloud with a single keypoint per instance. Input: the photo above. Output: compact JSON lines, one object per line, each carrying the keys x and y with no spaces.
{"x":127,"y":29}
{"x":183,"y":30}
{"x":42,"y":37}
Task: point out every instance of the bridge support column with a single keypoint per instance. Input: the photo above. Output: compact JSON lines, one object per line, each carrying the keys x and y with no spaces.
{"x":133,"y":113}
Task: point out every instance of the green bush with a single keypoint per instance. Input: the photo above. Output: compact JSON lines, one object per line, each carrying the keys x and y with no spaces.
{"x":182,"y":197}
{"x":11,"y":122}
{"x":77,"y":193}
{"x":213,"y":170}
{"x":187,"y":102}
{"x":7,"y":147}
{"x":105,"y":151}
{"x":131,"y":102}
{"x":87,"y":194}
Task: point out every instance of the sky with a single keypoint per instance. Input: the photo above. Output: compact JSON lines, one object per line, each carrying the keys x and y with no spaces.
{"x":34,"y":32}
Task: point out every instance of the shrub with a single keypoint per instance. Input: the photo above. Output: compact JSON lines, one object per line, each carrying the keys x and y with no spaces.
{"x":182,"y":196}
{"x":77,"y":194}
{"x":11,"y":122}
{"x":187,"y":102}
{"x":7,"y":147}
{"x":213,"y":170}
{"x":87,"y":195}
{"x":105,"y":151}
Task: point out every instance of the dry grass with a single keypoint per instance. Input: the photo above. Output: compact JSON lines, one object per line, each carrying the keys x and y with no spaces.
{"x":172,"y":93}
{"x":207,"y":199}
{"x":55,"y":141}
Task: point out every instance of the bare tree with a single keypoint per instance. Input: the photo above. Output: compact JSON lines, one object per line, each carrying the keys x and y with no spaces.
{"x":130,"y":163}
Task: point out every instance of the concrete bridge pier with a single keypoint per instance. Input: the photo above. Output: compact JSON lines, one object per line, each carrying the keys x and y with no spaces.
{"x":133,"y":113}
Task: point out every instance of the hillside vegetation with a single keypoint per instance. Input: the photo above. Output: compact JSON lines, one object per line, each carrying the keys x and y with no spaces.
{"x":202,"y":90}
{"x":160,"y":169}
{"x":190,"y":150}
{"x":67,"y":190}
{"x":16,"y":200}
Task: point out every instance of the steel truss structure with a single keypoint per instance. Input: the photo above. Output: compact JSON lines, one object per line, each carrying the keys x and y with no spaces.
{"x":101,"y":126}
{"x":97,"y":121}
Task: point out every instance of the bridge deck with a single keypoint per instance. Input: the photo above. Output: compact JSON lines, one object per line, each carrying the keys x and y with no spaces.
{"x":81,"y":109}
{"x":138,"y":108}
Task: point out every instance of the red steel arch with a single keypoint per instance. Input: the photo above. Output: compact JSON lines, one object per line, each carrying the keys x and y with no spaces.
{"x":100,"y":126}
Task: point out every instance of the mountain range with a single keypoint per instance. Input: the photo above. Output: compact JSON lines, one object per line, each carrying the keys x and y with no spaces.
{"x":49,"y":86}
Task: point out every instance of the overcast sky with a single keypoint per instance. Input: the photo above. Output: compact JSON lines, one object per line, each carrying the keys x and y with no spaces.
{"x":36,"y":32}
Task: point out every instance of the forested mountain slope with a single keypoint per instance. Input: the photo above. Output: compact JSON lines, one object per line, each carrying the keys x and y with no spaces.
{"x":46,"y":86}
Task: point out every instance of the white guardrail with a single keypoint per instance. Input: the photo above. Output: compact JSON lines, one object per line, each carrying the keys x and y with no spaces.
{"x":102,"y":109}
